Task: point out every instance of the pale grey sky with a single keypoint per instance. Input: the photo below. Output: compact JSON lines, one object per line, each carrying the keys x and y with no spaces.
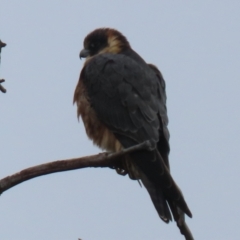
{"x":196,"y":44}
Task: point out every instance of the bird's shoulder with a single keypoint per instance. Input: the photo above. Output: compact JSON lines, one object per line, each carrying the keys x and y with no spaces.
{"x":114,"y":73}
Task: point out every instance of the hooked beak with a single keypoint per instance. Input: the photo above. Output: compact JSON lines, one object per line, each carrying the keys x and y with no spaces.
{"x":84,"y":53}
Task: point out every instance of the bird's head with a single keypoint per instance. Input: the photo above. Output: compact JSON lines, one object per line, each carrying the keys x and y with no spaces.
{"x":103,"y":40}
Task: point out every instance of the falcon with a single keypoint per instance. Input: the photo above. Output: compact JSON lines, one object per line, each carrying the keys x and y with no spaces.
{"x":122,"y":102}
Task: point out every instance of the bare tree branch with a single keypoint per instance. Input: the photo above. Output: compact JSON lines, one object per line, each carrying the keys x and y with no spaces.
{"x":99,"y":160}
{"x":2,"y":44}
{"x":2,"y":89}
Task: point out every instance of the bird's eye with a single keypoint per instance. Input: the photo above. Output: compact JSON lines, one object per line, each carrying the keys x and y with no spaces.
{"x":92,"y":45}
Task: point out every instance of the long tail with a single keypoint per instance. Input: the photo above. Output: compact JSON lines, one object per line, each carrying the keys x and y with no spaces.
{"x":158,"y":199}
{"x":164,"y":192}
{"x":162,"y":206}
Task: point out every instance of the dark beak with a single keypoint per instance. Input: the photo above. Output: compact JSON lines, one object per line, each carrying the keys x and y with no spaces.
{"x":84,"y":53}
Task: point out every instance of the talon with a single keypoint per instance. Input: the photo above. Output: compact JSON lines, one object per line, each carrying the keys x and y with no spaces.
{"x":121,"y":171}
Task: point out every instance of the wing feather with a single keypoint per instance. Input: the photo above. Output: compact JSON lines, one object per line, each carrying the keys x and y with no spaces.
{"x":122,"y":94}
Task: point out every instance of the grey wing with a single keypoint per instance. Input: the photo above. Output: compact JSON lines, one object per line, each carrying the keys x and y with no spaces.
{"x":125,"y":96}
{"x":163,"y":143}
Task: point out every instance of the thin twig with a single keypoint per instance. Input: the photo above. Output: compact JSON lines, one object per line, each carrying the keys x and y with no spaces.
{"x":99,"y":160}
{"x":2,"y":44}
{"x":2,"y":89}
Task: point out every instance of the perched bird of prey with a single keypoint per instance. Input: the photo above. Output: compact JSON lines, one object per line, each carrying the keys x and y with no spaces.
{"x":122,"y":102}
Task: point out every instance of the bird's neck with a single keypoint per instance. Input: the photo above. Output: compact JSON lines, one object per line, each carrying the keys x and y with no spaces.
{"x":132,"y":54}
